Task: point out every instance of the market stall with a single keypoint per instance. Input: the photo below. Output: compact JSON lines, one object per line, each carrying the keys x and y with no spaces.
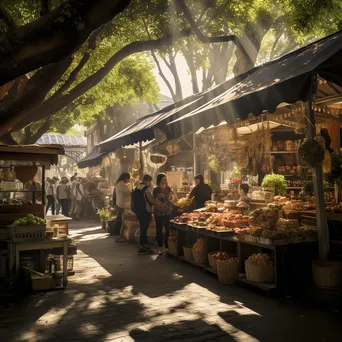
{"x":28,"y":243}
{"x":295,"y":98}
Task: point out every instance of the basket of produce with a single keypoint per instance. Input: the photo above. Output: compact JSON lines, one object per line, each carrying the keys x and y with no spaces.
{"x":327,"y":274}
{"x":259,"y":268}
{"x":188,"y":253}
{"x":198,"y":252}
{"x":30,"y":228}
{"x":216,"y":257}
{"x":228,"y":270}
{"x":212,"y":260}
{"x":172,"y":244}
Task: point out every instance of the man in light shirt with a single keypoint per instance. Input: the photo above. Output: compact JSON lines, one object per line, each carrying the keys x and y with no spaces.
{"x":51,"y":196}
{"x":63,"y":195}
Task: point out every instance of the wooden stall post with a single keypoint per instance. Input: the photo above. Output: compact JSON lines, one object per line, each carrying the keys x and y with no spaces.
{"x":141,"y":171}
{"x":194,"y":150}
{"x":317,"y":174}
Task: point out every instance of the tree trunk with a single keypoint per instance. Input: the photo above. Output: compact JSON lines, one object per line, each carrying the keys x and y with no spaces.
{"x":35,"y":91}
{"x":251,"y":42}
{"x":54,"y":36}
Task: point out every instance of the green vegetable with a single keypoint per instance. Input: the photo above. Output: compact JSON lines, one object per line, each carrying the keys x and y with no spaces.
{"x":277,"y":182}
{"x":312,"y":152}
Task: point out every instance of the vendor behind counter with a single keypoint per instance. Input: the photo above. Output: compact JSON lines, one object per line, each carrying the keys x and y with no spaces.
{"x":201,"y":192}
{"x":244,"y":188}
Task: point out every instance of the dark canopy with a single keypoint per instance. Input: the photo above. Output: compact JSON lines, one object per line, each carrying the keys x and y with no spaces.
{"x":284,"y":80}
{"x":94,"y":158}
{"x":144,"y":128}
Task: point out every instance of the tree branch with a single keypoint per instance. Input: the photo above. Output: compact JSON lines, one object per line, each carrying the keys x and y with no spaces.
{"x":181,"y":5}
{"x":8,"y":139}
{"x":7,"y":18}
{"x":45,"y":7}
{"x":162,"y":75}
{"x":51,"y":106}
{"x":54,"y":36}
{"x":34,"y":93}
{"x":81,"y":64}
{"x":41,"y":130}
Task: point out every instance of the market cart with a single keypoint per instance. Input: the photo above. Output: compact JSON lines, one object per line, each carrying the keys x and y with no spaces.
{"x":25,"y":239}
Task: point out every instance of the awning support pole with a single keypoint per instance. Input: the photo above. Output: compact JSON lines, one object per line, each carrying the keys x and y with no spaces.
{"x":141,"y":171}
{"x":194,"y":149}
{"x":317,"y":174}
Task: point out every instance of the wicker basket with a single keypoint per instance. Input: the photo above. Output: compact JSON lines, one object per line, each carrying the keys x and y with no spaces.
{"x":228,"y":273}
{"x":27,"y":233}
{"x":188,"y":253}
{"x":259,"y":273}
{"x":212,"y":261}
{"x":199,"y":255}
{"x":327,"y":274}
{"x":173,"y":248}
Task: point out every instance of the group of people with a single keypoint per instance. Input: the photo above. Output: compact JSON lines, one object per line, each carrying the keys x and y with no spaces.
{"x":74,"y":197}
{"x":146,"y":200}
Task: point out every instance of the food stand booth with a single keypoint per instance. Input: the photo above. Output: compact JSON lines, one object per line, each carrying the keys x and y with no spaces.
{"x":26,"y":242}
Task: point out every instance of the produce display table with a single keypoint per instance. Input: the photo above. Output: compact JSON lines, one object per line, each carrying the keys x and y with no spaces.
{"x":292,"y":262}
{"x":61,"y":220}
{"x":16,"y":247}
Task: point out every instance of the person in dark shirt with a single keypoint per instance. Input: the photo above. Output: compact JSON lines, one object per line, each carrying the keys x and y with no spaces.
{"x":201,"y":192}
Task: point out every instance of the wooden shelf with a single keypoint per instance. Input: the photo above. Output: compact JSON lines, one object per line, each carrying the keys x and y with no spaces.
{"x":262,"y":286}
{"x":281,"y":152}
{"x":21,"y":190}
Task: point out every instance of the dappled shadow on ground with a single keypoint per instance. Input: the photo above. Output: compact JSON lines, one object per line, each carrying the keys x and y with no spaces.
{"x":117,"y":294}
{"x":196,"y":330}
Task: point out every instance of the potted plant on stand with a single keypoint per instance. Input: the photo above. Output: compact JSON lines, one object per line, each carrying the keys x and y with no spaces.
{"x":105,"y":214}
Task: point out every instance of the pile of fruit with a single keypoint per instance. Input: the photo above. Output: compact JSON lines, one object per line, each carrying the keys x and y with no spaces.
{"x":199,"y":245}
{"x":229,"y":261}
{"x":28,"y":221}
{"x":220,"y":256}
{"x":259,"y":259}
{"x":172,"y":238}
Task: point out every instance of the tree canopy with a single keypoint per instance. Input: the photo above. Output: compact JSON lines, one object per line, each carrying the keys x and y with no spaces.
{"x":81,"y":57}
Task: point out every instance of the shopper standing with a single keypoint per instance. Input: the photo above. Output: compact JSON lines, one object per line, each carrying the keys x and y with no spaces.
{"x":141,"y":204}
{"x":74,"y":182}
{"x":78,"y":195}
{"x":121,"y":195}
{"x":51,"y":196}
{"x":58,"y":205}
{"x":162,"y":194}
{"x":201,"y":192}
{"x":63,"y":195}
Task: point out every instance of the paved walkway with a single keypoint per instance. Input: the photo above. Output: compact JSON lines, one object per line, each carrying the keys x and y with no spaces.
{"x":117,"y":295}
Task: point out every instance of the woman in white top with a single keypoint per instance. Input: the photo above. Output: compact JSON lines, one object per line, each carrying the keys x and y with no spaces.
{"x":121,"y":195}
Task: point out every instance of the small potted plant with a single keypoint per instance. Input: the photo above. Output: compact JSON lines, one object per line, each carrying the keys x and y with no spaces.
{"x":236,"y":176}
{"x":105,"y":214}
